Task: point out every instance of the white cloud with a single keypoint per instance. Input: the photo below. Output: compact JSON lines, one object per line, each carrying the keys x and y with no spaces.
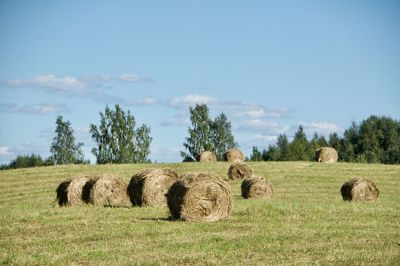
{"x":257,"y":124}
{"x":133,"y":78}
{"x":37,"y":109}
{"x":49,"y":82}
{"x":166,"y":155}
{"x":185,"y":102}
{"x":250,"y":110}
{"x":84,"y":86}
{"x":143,"y":101}
{"x":95,"y":78}
{"x":82,"y":130}
{"x":181,"y":119}
{"x":259,"y":140}
{"x":4,"y":150}
{"x":322,"y":128}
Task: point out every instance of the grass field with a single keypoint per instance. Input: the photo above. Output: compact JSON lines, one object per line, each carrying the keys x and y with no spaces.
{"x":305,"y":223}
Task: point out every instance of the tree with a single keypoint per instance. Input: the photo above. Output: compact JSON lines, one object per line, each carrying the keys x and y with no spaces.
{"x":221,"y":136}
{"x":299,"y":147}
{"x":272,"y":154}
{"x":283,"y":148}
{"x":63,"y":149}
{"x":256,"y":155}
{"x":24,"y":161}
{"x":116,"y":138}
{"x":206,"y":134}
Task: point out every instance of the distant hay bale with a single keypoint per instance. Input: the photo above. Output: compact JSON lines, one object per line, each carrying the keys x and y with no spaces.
{"x":233,"y":155}
{"x":326,"y":155}
{"x":239,"y":170}
{"x":256,"y":187}
{"x":200,"y":197}
{"x":148,"y":187}
{"x":206,"y":156}
{"x":69,"y":193}
{"x":359,"y":190}
{"x":108,"y":190}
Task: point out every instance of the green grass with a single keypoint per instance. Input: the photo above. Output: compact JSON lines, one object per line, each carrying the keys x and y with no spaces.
{"x":305,"y":223}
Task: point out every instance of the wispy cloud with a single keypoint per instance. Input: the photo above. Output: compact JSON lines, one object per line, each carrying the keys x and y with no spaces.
{"x":143,"y":101}
{"x":134,"y":78}
{"x":263,"y":125}
{"x":181,"y":119}
{"x":4,"y":150}
{"x":49,"y":82}
{"x":258,"y":140}
{"x":84,"y":86}
{"x":322,"y":128}
{"x":184,"y":102}
{"x":37,"y":109}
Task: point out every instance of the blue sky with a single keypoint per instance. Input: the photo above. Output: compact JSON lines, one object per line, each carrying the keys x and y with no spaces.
{"x":269,"y":65}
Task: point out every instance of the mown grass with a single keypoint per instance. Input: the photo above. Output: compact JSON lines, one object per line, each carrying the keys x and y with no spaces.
{"x":305,"y":223}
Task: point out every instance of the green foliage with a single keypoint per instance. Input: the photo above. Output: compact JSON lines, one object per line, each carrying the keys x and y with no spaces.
{"x":63,"y":148}
{"x":299,"y":148}
{"x":256,"y":155}
{"x":117,"y":140}
{"x":221,"y":136}
{"x":206,"y":134}
{"x":374,"y":140}
{"x":25,"y":161}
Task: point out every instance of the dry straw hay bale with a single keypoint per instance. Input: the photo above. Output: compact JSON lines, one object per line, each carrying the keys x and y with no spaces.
{"x":69,"y":192}
{"x":359,"y":190}
{"x":233,"y":155}
{"x":239,"y":170}
{"x":107,"y":190}
{"x":206,"y":156}
{"x":326,"y":155}
{"x":256,"y":187}
{"x":200,"y":197}
{"x":148,"y":187}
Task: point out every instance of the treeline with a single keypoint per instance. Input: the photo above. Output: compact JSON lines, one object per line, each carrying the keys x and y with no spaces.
{"x":374,"y":140}
{"x":117,"y":139}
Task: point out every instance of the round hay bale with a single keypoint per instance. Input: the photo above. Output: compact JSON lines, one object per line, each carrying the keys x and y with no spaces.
{"x":148,"y":187}
{"x":256,"y":187}
{"x":233,"y":155}
{"x":200,"y":197}
{"x":206,"y":156}
{"x":62,"y":193}
{"x":359,"y":190}
{"x":69,"y":193}
{"x":239,"y":170}
{"x":108,"y":190}
{"x":326,"y":155}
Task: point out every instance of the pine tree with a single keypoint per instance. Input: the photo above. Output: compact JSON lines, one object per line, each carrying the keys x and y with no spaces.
{"x":299,"y":147}
{"x":256,"y":155}
{"x":63,"y":149}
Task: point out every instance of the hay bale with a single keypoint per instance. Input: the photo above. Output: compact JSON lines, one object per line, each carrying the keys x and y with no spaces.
{"x":326,"y":155}
{"x":148,"y":187}
{"x":62,"y":193}
{"x":256,"y":187}
{"x":233,"y":155}
{"x":108,"y":190}
{"x":239,"y":170}
{"x":69,"y":193}
{"x":359,"y":190}
{"x":200,"y":197}
{"x":206,"y":156}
